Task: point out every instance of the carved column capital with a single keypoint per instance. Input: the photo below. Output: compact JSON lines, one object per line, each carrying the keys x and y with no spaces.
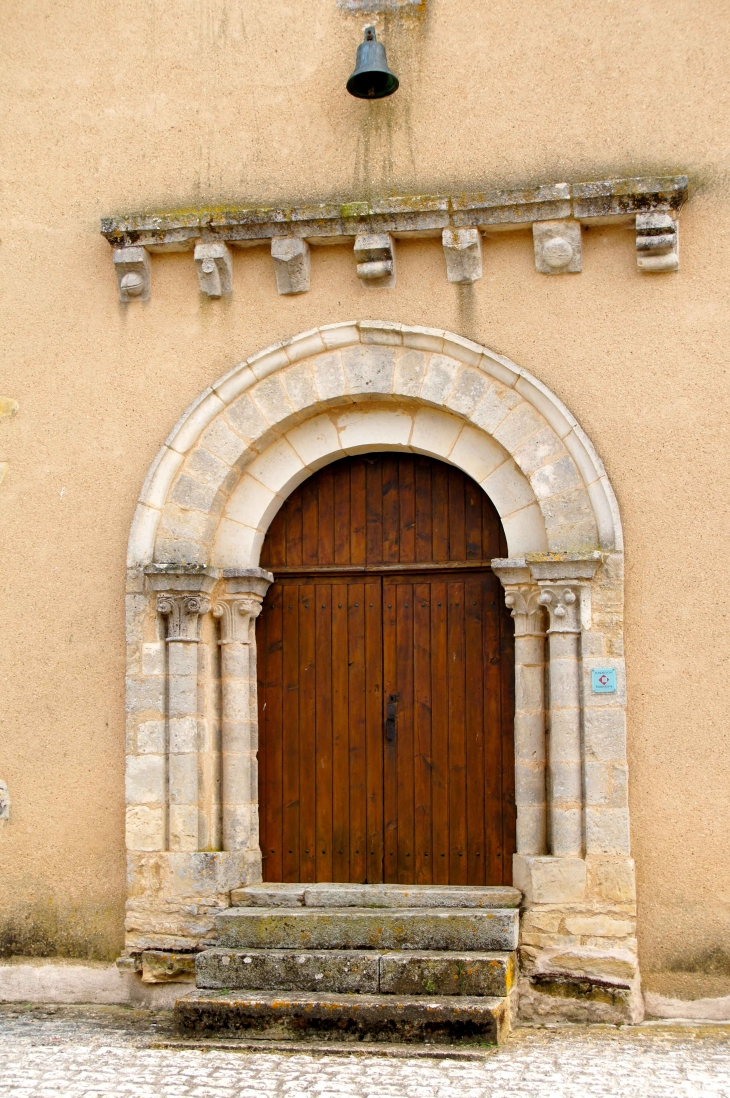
{"x":526,"y":607}
{"x":235,"y":613}
{"x":562,"y":602}
{"x":183,"y":612}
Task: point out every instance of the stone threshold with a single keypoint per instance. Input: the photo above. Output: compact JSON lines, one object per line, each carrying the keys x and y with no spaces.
{"x":383,"y":896}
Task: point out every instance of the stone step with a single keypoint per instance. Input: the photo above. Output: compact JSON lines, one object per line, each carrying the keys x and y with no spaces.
{"x":424,"y":972}
{"x":302,"y":1015}
{"x":289,"y":970}
{"x":458,"y":929}
{"x":411,"y":972}
{"x":375,"y":895}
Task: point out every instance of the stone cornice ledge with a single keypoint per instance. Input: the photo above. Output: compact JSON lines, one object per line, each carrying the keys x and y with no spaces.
{"x":606,"y":200}
{"x":556,"y":211}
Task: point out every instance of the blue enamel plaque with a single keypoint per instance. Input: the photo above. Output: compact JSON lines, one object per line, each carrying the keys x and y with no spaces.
{"x":603,"y":680}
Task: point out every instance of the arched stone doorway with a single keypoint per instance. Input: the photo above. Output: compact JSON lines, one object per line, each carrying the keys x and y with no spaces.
{"x":386,"y":680}
{"x":195,"y":589}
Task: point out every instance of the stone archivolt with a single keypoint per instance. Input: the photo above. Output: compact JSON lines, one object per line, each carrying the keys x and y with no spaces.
{"x":192,"y":714}
{"x":556,"y":212}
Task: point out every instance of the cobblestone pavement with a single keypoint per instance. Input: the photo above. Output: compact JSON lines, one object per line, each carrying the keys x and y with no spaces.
{"x":104,"y":1052}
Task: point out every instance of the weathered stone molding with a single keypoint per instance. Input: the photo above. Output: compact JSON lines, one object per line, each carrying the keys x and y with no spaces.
{"x":247,"y":441}
{"x":460,"y":220}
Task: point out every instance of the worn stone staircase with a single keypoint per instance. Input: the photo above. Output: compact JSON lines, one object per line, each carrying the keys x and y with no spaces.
{"x":358,"y":963}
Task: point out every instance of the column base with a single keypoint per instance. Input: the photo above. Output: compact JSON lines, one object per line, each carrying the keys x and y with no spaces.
{"x":173,"y":897}
{"x":577,"y":952}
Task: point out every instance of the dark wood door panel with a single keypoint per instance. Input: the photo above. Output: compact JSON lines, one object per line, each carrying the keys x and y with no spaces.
{"x":407,"y":626}
{"x":384,"y":509}
{"x":320,"y":750}
{"x":445,"y":787}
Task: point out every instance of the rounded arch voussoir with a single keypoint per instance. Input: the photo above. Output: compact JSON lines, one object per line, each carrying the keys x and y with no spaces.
{"x":250,"y":439}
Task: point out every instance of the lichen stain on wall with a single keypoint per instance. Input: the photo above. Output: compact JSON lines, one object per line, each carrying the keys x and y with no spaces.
{"x":50,"y":929}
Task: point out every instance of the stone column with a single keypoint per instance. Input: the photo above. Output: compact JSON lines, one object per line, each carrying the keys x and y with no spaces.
{"x":182,"y":599}
{"x":522,"y":596}
{"x":565,"y":764}
{"x":182,"y":613}
{"x":237,"y":611}
{"x":563,"y":586}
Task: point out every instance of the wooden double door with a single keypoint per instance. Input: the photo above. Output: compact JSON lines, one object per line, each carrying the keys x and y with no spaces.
{"x":386,"y":671}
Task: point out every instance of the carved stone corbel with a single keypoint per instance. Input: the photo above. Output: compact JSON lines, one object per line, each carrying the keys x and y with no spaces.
{"x":657,"y":242}
{"x":463,"y":254}
{"x":291,"y":264}
{"x":215,"y":268}
{"x":133,"y":273}
{"x":375,"y":255}
{"x":558,"y":247}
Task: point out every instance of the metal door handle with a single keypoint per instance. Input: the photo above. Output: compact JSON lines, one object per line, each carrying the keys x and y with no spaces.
{"x":390,"y":718}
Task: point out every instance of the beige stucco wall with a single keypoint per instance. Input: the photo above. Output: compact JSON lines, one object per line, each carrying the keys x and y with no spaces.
{"x":112,"y":107}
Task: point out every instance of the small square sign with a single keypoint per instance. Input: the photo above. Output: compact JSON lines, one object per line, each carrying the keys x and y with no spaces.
{"x":603,"y":680}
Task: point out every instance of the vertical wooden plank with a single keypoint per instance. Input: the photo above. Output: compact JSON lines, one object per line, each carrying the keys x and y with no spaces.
{"x":325,"y":482}
{"x":404,"y":740}
{"x":358,"y":516}
{"x":440,"y":510}
{"x":341,"y":481}
{"x":358,"y":788}
{"x":390,"y":753}
{"x":509,"y":812}
{"x":457,"y":526}
{"x":323,"y":750}
{"x":373,"y":594}
{"x":269,"y":643}
{"x":473,"y":508}
{"x":494,"y":543}
{"x":457,"y":734}
{"x":424,"y":516}
{"x":439,"y":732}
{"x":273,"y":551}
{"x":290,"y":731}
{"x":373,"y":470}
{"x":294,"y":529}
{"x":407,"y":517}
{"x":492,"y":663}
{"x":340,"y":735}
{"x":422,"y":731}
{"x":310,"y":520}
{"x":307,"y":735}
{"x":391,"y":509}
{"x":474,"y":717}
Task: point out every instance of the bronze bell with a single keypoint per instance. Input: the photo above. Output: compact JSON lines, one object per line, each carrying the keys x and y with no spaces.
{"x":372,"y":79}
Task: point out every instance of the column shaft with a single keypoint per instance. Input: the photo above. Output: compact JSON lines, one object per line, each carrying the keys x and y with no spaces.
{"x":183,"y":744}
{"x":238,"y":748}
{"x":237,"y":612}
{"x":565,"y":756}
{"x":183,"y":613}
{"x":530,"y":791}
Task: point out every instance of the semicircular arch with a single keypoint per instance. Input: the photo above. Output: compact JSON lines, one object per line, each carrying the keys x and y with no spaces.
{"x":246,"y":442}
